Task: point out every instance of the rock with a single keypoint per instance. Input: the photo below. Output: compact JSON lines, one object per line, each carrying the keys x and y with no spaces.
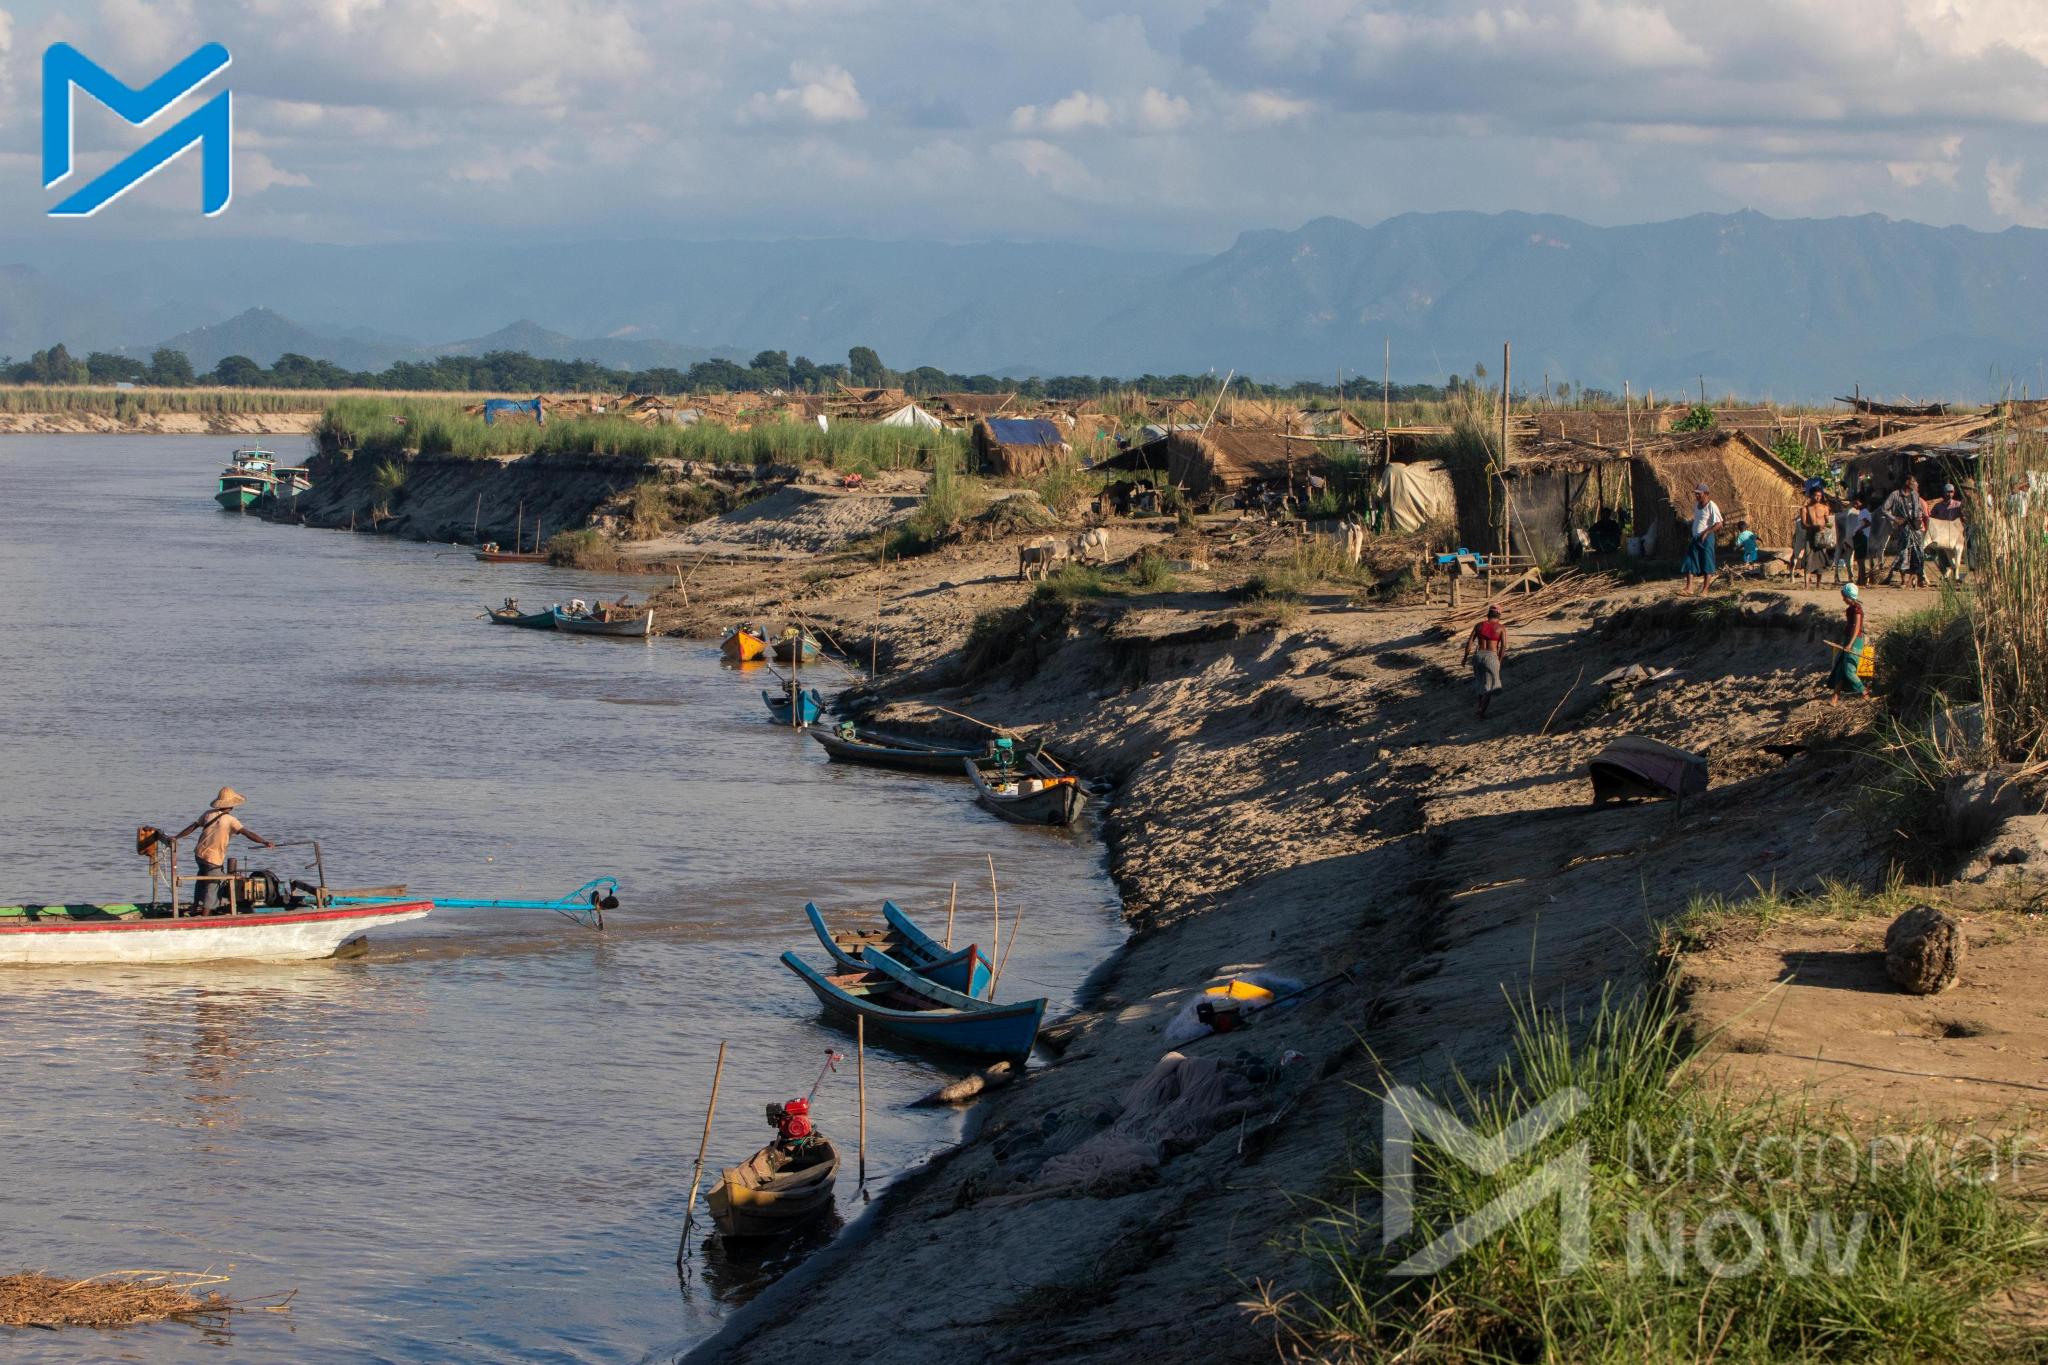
{"x":1974,"y":805}
{"x":1923,"y":950}
{"x":2017,"y":848}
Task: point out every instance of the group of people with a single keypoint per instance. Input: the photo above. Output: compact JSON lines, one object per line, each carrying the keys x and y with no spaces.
{"x":1847,"y":538}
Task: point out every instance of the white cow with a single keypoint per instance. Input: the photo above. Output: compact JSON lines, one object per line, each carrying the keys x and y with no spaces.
{"x":1945,"y":546}
{"x":1090,"y":545}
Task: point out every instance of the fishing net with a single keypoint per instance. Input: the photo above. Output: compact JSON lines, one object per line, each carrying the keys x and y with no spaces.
{"x":1180,"y":1101}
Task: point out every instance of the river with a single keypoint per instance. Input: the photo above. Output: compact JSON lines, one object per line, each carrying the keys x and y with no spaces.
{"x":475,"y":1141}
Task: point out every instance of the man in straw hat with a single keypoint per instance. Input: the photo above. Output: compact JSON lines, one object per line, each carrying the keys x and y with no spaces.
{"x":215,"y":828}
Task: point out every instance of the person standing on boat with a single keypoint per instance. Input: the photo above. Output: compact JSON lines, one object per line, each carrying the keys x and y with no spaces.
{"x":215,"y":828}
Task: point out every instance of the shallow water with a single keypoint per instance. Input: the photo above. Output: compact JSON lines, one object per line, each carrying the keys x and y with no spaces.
{"x":475,"y":1141}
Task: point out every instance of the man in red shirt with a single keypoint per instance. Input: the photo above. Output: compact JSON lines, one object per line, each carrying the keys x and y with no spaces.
{"x":1485,"y":649}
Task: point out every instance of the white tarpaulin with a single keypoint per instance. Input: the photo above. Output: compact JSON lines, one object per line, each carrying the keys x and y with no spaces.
{"x":911,"y":415}
{"x":1417,"y":495}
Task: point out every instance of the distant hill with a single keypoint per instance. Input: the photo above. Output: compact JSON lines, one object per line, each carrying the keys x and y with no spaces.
{"x":1765,"y":307}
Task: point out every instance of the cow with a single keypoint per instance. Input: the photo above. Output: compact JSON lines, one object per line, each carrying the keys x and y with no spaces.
{"x":1038,"y":558}
{"x":1945,"y":545}
{"x":1346,"y":536}
{"x":1090,"y":545}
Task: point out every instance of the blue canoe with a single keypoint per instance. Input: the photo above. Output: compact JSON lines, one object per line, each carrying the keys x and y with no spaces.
{"x":778,"y":706}
{"x":965,"y":971}
{"x":898,"y":1002}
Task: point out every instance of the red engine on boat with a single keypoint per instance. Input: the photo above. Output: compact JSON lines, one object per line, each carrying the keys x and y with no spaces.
{"x":792,"y":1120}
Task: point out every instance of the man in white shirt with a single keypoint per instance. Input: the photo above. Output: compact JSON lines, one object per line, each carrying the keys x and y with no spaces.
{"x":1699,"y":550}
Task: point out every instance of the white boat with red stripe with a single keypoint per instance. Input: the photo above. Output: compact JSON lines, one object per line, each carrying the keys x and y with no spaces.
{"x":76,"y":935}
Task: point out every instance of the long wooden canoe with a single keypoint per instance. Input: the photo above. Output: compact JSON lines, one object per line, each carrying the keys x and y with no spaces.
{"x":773,"y":1192}
{"x":1039,"y":797}
{"x":778,"y":706}
{"x":631,"y":627}
{"x":63,"y":935}
{"x":876,"y":750}
{"x":964,"y":970}
{"x":785,"y":648}
{"x":895,"y":1000}
{"x":512,"y":556}
{"x":530,"y":620}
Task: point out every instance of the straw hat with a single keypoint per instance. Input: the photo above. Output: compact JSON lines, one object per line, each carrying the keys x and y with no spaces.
{"x":228,"y":799}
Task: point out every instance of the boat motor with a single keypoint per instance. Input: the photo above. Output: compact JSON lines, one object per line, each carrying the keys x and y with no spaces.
{"x":792,"y":1120}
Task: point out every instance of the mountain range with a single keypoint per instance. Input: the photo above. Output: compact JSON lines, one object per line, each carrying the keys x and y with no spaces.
{"x":1792,"y":309}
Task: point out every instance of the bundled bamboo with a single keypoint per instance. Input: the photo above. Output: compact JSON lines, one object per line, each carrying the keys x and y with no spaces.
{"x":1564,"y":590}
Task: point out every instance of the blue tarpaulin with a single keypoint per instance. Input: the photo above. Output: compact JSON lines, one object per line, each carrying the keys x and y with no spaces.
{"x":494,"y":406}
{"x":1021,"y":431}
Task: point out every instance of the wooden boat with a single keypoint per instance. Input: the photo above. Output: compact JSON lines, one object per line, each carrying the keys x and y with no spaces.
{"x":964,"y":970}
{"x":778,"y":707}
{"x":64,"y":935}
{"x":773,"y":1191}
{"x":897,"y":1001}
{"x":786,"y":647}
{"x":491,"y":554}
{"x":743,"y":643}
{"x":1633,"y":766}
{"x":510,"y":615}
{"x":876,"y":750}
{"x":1039,"y":796}
{"x":637,"y":627}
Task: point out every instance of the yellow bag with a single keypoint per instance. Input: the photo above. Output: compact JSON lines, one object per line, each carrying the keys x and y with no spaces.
{"x":1243,"y":990}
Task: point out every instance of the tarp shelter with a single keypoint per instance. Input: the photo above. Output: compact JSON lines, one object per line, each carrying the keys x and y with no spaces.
{"x":1018,"y":446}
{"x":1742,"y":477}
{"x":911,"y":415}
{"x":1413,"y":496}
{"x":494,"y":408}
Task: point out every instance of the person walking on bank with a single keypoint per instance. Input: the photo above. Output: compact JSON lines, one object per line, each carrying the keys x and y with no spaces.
{"x":1845,"y":675}
{"x":215,"y":828}
{"x":1486,"y":648}
{"x":1699,"y":551}
{"x":1906,"y":510}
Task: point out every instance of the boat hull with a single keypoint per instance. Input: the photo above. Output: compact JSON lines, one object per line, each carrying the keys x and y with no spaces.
{"x":786,"y":649}
{"x":778,"y":707}
{"x":634,"y":628}
{"x":511,"y":557}
{"x":238,"y":499}
{"x":754,"y":1199}
{"x":743,"y":646}
{"x":963,"y":1026}
{"x":527,"y":620}
{"x":281,"y":936}
{"x":965,"y":970}
{"x":899,"y":755}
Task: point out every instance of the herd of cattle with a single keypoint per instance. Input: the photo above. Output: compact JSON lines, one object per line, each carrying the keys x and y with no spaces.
{"x":1040,"y":557}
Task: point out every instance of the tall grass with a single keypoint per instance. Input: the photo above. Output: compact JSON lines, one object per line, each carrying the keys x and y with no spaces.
{"x":2012,"y":593}
{"x":1700,"y":1218}
{"x":113,"y":402}
{"x":439,"y":426}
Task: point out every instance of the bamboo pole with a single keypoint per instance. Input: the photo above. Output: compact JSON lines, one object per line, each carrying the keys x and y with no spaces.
{"x":860,"y":1065}
{"x":996,"y":901}
{"x":952,"y":904}
{"x":697,"y":1175}
{"x":1501,"y":469}
{"x":476,"y":519}
{"x":1004,"y":960}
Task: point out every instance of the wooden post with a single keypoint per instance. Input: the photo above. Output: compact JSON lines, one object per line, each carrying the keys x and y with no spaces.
{"x":519,"y":526}
{"x":1003,"y":961}
{"x":875,"y":641}
{"x":476,"y":520}
{"x":860,"y":1066}
{"x":697,"y":1175}
{"x":1502,"y":468}
{"x":1387,"y":396}
{"x":995,"y":899}
{"x":952,"y":904}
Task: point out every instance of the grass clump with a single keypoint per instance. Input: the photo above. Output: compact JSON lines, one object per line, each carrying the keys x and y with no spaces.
{"x":1072,"y":582}
{"x":1064,"y":486}
{"x":1681,"y":1225}
{"x":1927,"y":658}
{"x":584,"y":549}
{"x":950,"y":498}
{"x":1707,"y":919}
{"x":1147,"y":572}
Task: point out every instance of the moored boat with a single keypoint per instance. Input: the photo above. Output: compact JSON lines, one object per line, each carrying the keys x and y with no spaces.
{"x":846,"y":744}
{"x":743,"y":644}
{"x":617,"y":619}
{"x":1040,"y":796}
{"x":786,"y":648}
{"x":964,"y":970}
{"x":489,"y":553}
{"x":892,"y":998}
{"x":779,"y":707}
{"x":510,"y":615}
{"x":69,"y":935}
{"x":775,"y":1190}
{"x":249,"y":478}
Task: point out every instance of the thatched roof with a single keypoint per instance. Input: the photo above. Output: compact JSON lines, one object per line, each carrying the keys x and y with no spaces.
{"x":1018,"y":446}
{"x":972,"y":404}
{"x":1224,"y":458}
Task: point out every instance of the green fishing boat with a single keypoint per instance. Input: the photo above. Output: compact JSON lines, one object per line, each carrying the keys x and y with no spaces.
{"x":249,"y":478}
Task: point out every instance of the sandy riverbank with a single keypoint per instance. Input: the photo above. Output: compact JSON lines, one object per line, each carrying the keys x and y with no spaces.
{"x":1304,"y":791}
{"x":142,"y":423}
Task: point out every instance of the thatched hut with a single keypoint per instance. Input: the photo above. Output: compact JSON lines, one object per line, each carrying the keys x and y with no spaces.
{"x":1744,"y":478}
{"x":1222,"y":460}
{"x":1019,"y":447}
{"x":1555,"y":487}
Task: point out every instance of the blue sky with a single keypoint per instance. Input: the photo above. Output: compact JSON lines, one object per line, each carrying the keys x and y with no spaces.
{"x":1121,"y":122}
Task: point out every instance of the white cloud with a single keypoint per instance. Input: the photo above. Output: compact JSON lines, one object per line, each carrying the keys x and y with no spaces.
{"x":818,"y":93}
{"x":1054,"y":166}
{"x":1076,"y":112}
{"x":1265,"y":108}
{"x":2009,"y":200}
{"x":1159,"y":112}
{"x":255,"y":173}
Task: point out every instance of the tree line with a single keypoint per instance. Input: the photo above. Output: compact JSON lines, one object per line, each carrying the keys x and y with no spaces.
{"x":519,"y":372}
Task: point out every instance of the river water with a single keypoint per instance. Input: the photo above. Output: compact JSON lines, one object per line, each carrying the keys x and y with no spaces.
{"x":475,"y":1141}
